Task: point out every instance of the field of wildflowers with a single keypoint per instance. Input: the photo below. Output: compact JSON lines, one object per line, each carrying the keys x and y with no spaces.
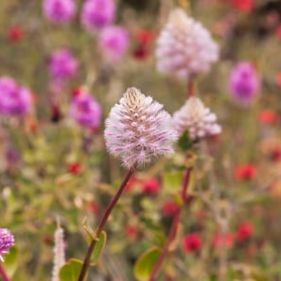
{"x":140,"y":140}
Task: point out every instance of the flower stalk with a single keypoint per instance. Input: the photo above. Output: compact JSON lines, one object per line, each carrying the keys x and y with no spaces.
{"x":174,"y":227}
{"x":102,"y":223}
{"x":3,"y":273}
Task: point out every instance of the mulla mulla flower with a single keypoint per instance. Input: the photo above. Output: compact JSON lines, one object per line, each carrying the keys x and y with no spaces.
{"x":138,"y":129}
{"x":59,"y":254}
{"x":6,"y":242}
{"x":184,"y":47}
{"x":196,"y":119}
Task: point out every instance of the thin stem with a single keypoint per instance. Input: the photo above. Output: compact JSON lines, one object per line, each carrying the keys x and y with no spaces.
{"x":174,"y":227}
{"x":102,"y":223}
{"x":190,"y":87}
{"x":3,"y":273}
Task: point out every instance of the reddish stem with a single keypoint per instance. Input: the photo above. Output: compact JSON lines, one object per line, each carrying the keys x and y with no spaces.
{"x":174,"y":227}
{"x":3,"y":273}
{"x":190,"y":87}
{"x":102,"y":223}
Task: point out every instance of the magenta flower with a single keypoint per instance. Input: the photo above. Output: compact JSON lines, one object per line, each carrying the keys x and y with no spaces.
{"x":97,"y":14}
{"x":138,"y":129}
{"x":6,"y":241}
{"x":62,"y":65}
{"x":114,"y":42}
{"x":244,"y":83}
{"x":85,"y":110}
{"x":59,"y":11}
{"x":15,"y":100}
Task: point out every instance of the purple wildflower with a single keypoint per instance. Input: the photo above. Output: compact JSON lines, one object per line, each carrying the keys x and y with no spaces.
{"x":6,"y":241}
{"x":59,"y":11}
{"x":114,"y":42}
{"x":244,"y":83}
{"x":15,"y":100}
{"x":97,"y":14}
{"x":62,"y":65}
{"x":85,"y":110}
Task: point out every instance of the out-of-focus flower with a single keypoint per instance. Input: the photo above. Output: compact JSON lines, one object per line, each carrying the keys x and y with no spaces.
{"x":144,"y":39}
{"x":244,"y":231}
{"x":197,"y":119}
{"x":59,"y":254}
{"x":86,"y":111}
{"x":6,"y":242}
{"x":245,"y":172}
{"x":169,"y":208}
{"x":192,"y":242}
{"x":131,"y":232}
{"x":133,"y":182}
{"x":278,"y":32}
{"x":15,"y":100}
{"x":62,"y":65}
{"x":243,"y":5}
{"x":15,"y":33}
{"x":74,"y":168}
{"x":59,"y":11}
{"x":185,"y":47}
{"x":268,"y":117}
{"x":113,"y":41}
{"x":138,"y":129}
{"x":150,"y":186}
{"x":278,"y":79}
{"x":271,"y":147}
{"x":92,"y":206}
{"x":225,"y":240}
{"x":97,"y":14}
{"x":244,"y":83}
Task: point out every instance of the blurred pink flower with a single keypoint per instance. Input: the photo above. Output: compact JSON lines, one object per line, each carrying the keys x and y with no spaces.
{"x":113,"y":41}
{"x":169,"y":208}
{"x":86,"y":111}
{"x":15,"y":33}
{"x":196,"y":119}
{"x":225,"y":240}
{"x":97,"y":14}
{"x":15,"y":100}
{"x":185,"y":47}
{"x":244,"y":231}
{"x":59,"y":11}
{"x":192,"y":242}
{"x":244,"y":83}
{"x":62,"y":65}
{"x":6,"y":241}
{"x":150,"y":186}
{"x":138,"y":129}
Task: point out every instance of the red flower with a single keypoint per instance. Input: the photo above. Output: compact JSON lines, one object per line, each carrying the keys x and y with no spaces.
{"x":74,"y":168}
{"x":151,"y":186}
{"x":244,"y":231}
{"x":243,"y":5}
{"x":223,"y":240}
{"x":278,"y":31}
{"x":131,"y":232}
{"x":15,"y":33}
{"x":192,"y":242}
{"x":143,"y":39}
{"x":169,"y":208}
{"x":245,"y":172}
{"x":132,"y":183}
{"x":92,"y":207}
{"x":76,"y":92}
{"x":268,"y":117}
{"x":141,"y":52}
{"x":275,"y":153}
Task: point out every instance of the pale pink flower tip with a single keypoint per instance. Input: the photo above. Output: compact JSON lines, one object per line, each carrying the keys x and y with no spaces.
{"x":185,"y":47}
{"x":196,"y":119}
{"x":138,"y":129}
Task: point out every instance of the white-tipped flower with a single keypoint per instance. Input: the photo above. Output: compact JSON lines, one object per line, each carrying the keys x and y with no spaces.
{"x":196,"y":119}
{"x":185,"y":47}
{"x":59,"y":254}
{"x":138,"y":129}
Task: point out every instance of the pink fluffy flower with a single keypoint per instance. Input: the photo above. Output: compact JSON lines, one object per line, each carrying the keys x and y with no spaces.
{"x":59,"y":11}
{"x":138,"y":129}
{"x":15,"y":100}
{"x":97,"y":14}
{"x":185,"y":47}
{"x":85,"y":110}
{"x":196,"y":119}
{"x":62,"y":65}
{"x":113,"y":42}
{"x":6,"y":241}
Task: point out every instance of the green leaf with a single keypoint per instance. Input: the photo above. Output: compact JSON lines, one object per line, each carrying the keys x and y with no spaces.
{"x":145,"y":263}
{"x":101,"y":241}
{"x":70,"y":271}
{"x":185,"y":142}
{"x":11,"y":261}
